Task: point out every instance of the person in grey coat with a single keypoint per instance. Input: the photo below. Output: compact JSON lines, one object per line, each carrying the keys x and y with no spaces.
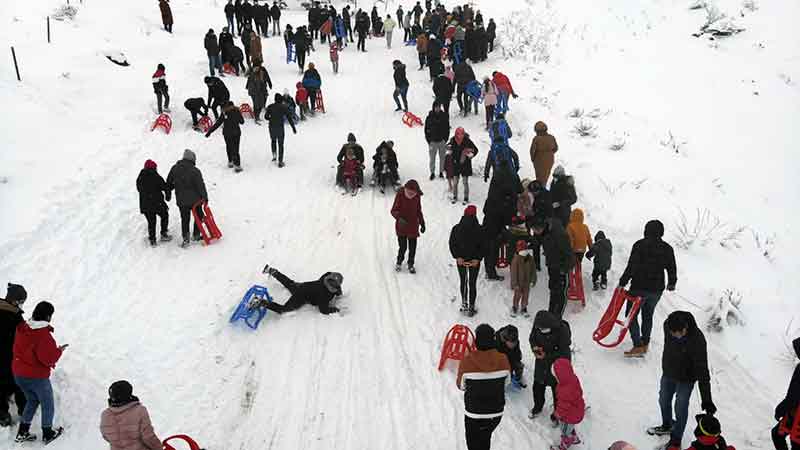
{"x":187,"y":181}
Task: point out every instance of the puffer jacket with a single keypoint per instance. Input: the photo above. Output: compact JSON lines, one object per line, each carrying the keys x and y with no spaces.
{"x":128,"y":427}
{"x":601,"y":252}
{"x":570,"y":407}
{"x":489,"y":92}
{"x":650,"y":258}
{"x":555,"y":344}
{"x":35,"y":350}
{"x":467,"y":239}
{"x":579,"y":236}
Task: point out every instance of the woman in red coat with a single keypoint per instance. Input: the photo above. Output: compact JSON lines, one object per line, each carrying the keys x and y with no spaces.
{"x":409,"y":222}
{"x":570,"y":407}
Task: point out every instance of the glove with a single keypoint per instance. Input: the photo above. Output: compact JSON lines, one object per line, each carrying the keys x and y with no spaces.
{"x":671,"y":287}
{"x":556,"y":204}
{"x":422,"y":228}
{"x":709,"y":407}
{"x":402,"y":222}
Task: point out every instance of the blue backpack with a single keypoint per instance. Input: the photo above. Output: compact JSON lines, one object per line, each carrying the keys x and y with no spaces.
{"x":500,"y":151}
{"x":499,"y":131}
{"x":473,"y":89}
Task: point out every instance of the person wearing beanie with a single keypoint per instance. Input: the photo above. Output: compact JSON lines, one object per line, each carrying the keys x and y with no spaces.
{"x":10,"y":318}
{"x":684,"y":363}
{"x":212,"y":50}
{"x":562,"y":190}
{"x":358,"y":151}
{"x":160,"y":88}
{"x":409,"y":222}
{"x":550,"y":339}
{"x":301,"y":99}
{"x":35,"y":354}
{"x":464,"y":150}
{"x":543,"y":151}
{"x":400,"y":85}
{"x":787,"y":412}
{"x":152,"y":189}
{"x":437,"y":129}
{"x":218,"y":94}
{"x":507,"y":343}
{"x":277,"y":114}
{"x":709,"y":434}
{"x":125,"y":424}
{"x":650,"y":258}
{"x":483,"y":375}
{"x":523,"y":277}
{"x":187,"y":181}
{"x":231,"y":132}
{"x":319,"y":293}
{"x":467,"y":247}
{"x":571,"y":407}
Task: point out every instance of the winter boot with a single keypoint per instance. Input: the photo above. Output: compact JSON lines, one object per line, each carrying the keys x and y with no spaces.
{"x":411,"y":269}
{"x":274,"y":157}
{"x":513,"y":311}
{"x":185,"y":242}
{"x":237,"y":169}
{"x":524,"y":312}
{"x":281,"y":164}
{"x":230,"y":165}
{"x":534,"y":413}
{"x":49,"y":435}
{"x":398,"y":266}
{"x":433,"y":176}
{"x":23,"y":434}
{"x":165,"y":237}
{"x":153,"y":242}
{"x":595,"y":286}
{"x":661,"y":430}
{"x":636,"y":352}
{"x":268,"y":270}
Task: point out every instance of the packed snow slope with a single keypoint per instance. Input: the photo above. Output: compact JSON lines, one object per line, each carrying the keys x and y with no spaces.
{"x":707,"y":126}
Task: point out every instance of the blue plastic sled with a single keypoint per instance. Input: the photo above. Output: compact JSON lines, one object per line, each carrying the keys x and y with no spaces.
{"x":252,"y":316}
{"x":290,"y":54}
{"x":411,"y":42}
{"x":473,"y":89}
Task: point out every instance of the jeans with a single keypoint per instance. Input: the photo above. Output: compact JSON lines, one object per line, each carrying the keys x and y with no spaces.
{"x":186,"y":212}
{"x":388,"y":39}
{"x":502,"y":102}
{"x":151,"y":223}
{"x":648,"y":307}
{"x":468,"y":277}
{"x":557,"y":283}
{"x":276,"y":143}
{"x":162,"y":97}
{"x":232,"y":148}
{"x":335,"y":66}
{"x":312,"y":98}
{"x":401,"y":92}
{"x":362,"y":42}
{"x":465,"y":180}
{"x":38,"y":391}
{"x":214,"y":61}
{"x":404,"y":243}
{"x":435,"y":148}
{"x":681,"y":392}
{"x":276,"y":26}
{"x":478,"y":432}
{"x":489,"y":115}
{"x":230,"y":24}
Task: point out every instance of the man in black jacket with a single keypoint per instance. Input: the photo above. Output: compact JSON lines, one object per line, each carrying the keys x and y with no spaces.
{"x":10,"y":317}
{"x":187,"y":181}
{"x":212,"y":50}
{"x":464,"y":75}
{"x":230,"y":10}
{"x":152,"y":187}
{"x":443,"y":91}
{"x":507,"y":342}
{"x":258,"y":85}
{"x":550,"y":339}
{"x":467,"y":246}
{"x":684,"y":362}
{"x":650,"y":258}
{"x":247,"y":15}
{"x":197,"y":107}
{"x":261,"y":16}
{"x":562,"y":190}
{"x":400,"y":85}
{"x":276,"y":114}
{"x":789,"y":408}
{"x":362,"y":28}
{"x":319,"y":293}
{"x":275,"y":11}
{"x":218,"y":94}
{"x":559,"y":257}
{"x":437,"y":130}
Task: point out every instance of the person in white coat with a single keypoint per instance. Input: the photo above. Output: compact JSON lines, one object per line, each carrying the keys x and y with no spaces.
{"x":388,"y":26}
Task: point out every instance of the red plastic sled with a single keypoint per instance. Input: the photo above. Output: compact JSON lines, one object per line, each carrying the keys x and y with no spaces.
{"x":208,"y":228}
{"x":409,"y":120}
{"x":204,"y":124}
{"x":575,"y":289}
{"x":610,"y":318}
{"x":164,"y":122}
{"x":793,"y":430}
{"x":458,"y":342}
{"x":502,"y":258}
{"x":228,"y":69}
{"x":320,"y":104}
{"x":181,"y":437}
{"x":247,"y":109}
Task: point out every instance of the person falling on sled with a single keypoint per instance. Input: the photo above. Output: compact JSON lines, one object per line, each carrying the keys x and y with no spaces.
{"x":319,"y":293}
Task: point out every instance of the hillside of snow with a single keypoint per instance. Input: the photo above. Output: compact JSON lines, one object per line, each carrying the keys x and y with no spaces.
{"x":699,"y":133}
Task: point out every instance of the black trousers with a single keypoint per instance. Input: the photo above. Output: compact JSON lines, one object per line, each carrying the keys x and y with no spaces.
{"x":277,"y":144}
{"x":349,"y":29}
{"x":259,"y":101}
{"x":479,"y":432}
{"x":294,"y":301}
{"x":162,"y":96}
{"x":489,"y":115}
{"x":491,"y":45}
{"x":362,"y":42}
{"x":468,"y":277}
{"x":8,"y":388}
{"x":538,"y":395}
{"x":492,"y":248}
{"x":600,"y":276}
{"x":558,"y":291}
{"x":780,"y":441}
{"x":232,"y":147}
{"x":151,"y":223}
{"x":312,"y":98}
{"x":186,"y":213}
{"x":406,"y":243}
{"x":195,"y":114}
{"x":301,"y":58}
{"x":422,"y":59}
{"x":445,"y":102}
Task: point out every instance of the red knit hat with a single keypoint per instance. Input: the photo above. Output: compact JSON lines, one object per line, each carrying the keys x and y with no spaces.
{"x":522,"y":245}
{"x":471,"y":210}
{"x":150,"y":164}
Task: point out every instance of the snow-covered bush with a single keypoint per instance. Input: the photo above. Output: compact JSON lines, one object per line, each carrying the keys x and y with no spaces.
{"x":575,"y":113}
{"x":618,"y":144}
{"x":697,"y":4}
{"x":706,"y":228}
{"x":65,"y":12}
{"x":790,"y":333}
{"x":750,"y":5}
{"x":673,"y":143}
{"x":765,"y":245}
{"x":584,"y":128}
{"x":529,"y":34}
{"x":725,"y":311}
{"x":717,"y":23}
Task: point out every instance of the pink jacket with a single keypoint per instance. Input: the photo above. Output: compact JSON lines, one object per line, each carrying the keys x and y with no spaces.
{"x":570,"y":407}
{"x":128,"y":427}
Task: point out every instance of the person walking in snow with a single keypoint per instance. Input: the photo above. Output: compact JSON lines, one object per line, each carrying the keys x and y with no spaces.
{"x":258,"y":85}
{"x":166,"y":14}
{"x":409,"y":222}
{"x":187,"y":181}
{"x":197,"y":107}
{"x":212,"y":50}
{"x":489,"y":94}
{"x":388,"y":27}
{"x":362,"y":28}
{"x":232,"y":132}
{"x":787,"y":412}
{"x":580,"y":238}
{"x":543,"y":149}
{"x":464,"y":75}
{"x":507,"y":343}
{"x":301,"y":42}
{"x":491,"y":34}
{"x":161,"y":89}
{"x":437,"y":130}
{"x":550,"y":339}
{"x":152,"y":187}
{"x":333,"y":51}
{"x":35,"y":355}
{"x":463,"y":151}
{"x":400,"y":85}
{"x":301,"y":99}
{"x":218,"y":94}
{"x":570,"y":407}
{"x":650,"y":257}
{"x":505,"y":89}
{"x":10,"y":317}
{"x":312,"y":82}
{"x":562,"y":189}
{"x":467,"y":246}
{"x":482,"y":376}
{"x":600,"y":251}
{"x":443,"y":91}
{"x":277,"y":114}
{"x":684,"y":363}
{"x":523,"y":277}
{"x":559,"y":258}
{"x":319,"y":293}
{"x":275,"y":11}
{"x":230,"y":11}
{"x":125,"y":424}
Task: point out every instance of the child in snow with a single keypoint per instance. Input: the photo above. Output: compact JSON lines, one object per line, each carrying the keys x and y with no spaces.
{"x":301,"y":98}
{"x":384,"y":166}
{"x":708,"y":434}
{"x":334,"y":52}
{"x":570,"y":407}
{"x":601,"y":252}
{"x":160,"y":88}
{"x":350,"y":167}
{"x":579,"y":236}
{"x":126,"y":423}
{"x":452,"y":180}
{"x":507,"y":341}
{"x":523,"y":276}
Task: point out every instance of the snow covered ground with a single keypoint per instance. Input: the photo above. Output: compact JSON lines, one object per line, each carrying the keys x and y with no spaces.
{"x":76,"y":132}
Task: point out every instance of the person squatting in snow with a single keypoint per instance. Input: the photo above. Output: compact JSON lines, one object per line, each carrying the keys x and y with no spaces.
{"x":319,"y":293}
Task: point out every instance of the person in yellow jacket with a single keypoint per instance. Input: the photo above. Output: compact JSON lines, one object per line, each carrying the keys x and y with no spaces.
{"x":579,"y":236}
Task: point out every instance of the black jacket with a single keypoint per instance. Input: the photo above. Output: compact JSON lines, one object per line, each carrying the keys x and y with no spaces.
{"x":467,"y":239}
{"x":543,"y":204}
{"x":229,"y":10}
{"x":601,"y":252}
{"x":464,"y":74}
{"x":187,"y":181}
{"x":400,"y":80}
{"x":300,"y":40}
{"x":437,"y":126}
{"x":217,"y":92}
{"x":650,"y":257}
{"x":563,"y":191}
{"x":443,"y":88}
{"x":491,"y":30}
{"x":555,"y":344}
{"x":391,"y":159}
{"x":276,"y":12}
{"x":315,"y":293}
{"x":231,"y":119}
{"x":686,"y":360}
{"x":514,"y":354}
{"x":151,"y":187}
{"x":225,"y":44}
{"x":196,"y":104}
{"x":212,"y":47}
{"x":10,"y":317}
{"x":434,"y":50}
{"x":247,"y":11}
{"x":557,"y":248}
{"x":362,"y":24}
{"x":357,"y":149}
{"x":275,"y":114}
{"x":501,"y":200}
{"x":462,"y":168}
{"x":256,"y":86}
{"x":260,"y":13}
{"x":788,"y":406}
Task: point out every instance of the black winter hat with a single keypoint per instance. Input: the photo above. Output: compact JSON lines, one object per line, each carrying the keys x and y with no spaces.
{"x":43,"y":311}
{"x":654,"y":228}
{"x":333,"y":282}
{"x":510,"y":333}
{"x":16,"y":293}
{"x":120,"y":393}
{"x":484,"y":337}
{"x":351,"y":137}
{"x":707,"y":425}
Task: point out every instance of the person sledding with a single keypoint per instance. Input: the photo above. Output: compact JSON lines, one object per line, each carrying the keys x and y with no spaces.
{"x":384,"y":166}
{"x":319,"y":293}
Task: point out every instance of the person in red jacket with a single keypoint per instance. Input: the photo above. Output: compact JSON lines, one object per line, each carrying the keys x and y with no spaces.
{"x":570,"y":406}
{"x":409,"y":222}
{"x":709,"y":434}
{"x":301,"y":98}
{"x":504,"y":89}
{"x":35,"y":354}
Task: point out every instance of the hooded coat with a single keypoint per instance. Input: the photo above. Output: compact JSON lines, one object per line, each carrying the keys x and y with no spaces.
{"x":563,"y":192}
{"x":467,"y":240}
{"x":555,"y":344}
{"x":151,"y":187}
{"x":462,"y":165}
{"x":128,"y":427}
{"x":557,"y":249}
{"x":188,"y":183}
{"x":686,"y":360}
{"x":522,"y":272}
{"x":601,"y":252}
{"x":443,"y":89}
{"x":650,"y":258}
{"x":514,"y":355}
{"x":437,"y":126}
{"x":543,"y":150}
{"x":317,"y":293}
{"x":788,"y":407}
{"x":410,"y":210}
{"x":482,"y":375}
{"x":35,"y":350}
{"x":570,"y":407}
{"x":579,"y":236}
{"x":166,"y":12}
{"x":10,"y":318}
